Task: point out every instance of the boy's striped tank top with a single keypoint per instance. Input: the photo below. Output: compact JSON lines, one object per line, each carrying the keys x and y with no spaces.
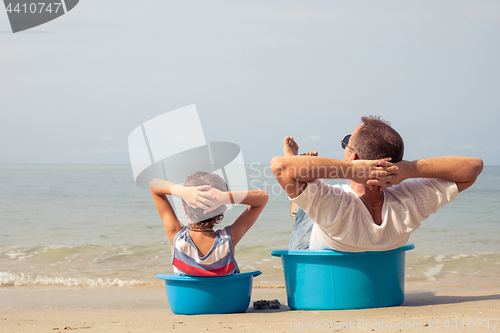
{"x":217,"y":262}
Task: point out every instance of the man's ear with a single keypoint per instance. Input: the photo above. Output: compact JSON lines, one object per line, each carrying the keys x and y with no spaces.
{"x":354,"y":157}
{"x":185,"y":210}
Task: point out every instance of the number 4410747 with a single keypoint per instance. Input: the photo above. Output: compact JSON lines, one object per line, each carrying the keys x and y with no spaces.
{"x":34,"y":8}
{"x":471,"y":323}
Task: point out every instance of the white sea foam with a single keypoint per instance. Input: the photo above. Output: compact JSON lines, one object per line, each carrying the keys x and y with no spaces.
{"x":9,"y":279}
{"x":459,"y":256}
{"x":249,"y":267}
{"x":439,"y":258}
{"x":430,"y":274}
{"x":13,"y":255}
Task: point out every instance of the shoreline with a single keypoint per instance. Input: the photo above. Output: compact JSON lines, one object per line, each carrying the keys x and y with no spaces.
{"x":146,"y":310}
{"x":139,"y":298}
{"x":420,"y":270}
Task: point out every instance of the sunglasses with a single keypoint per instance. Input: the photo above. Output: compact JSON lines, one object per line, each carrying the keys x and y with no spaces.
{"x":345,"y":142}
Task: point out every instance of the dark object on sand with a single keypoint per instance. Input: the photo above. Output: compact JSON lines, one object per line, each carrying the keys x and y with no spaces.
{"x":262,"y":304}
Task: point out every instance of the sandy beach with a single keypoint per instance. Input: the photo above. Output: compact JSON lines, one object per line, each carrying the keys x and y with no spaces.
{"x":146,"y":310}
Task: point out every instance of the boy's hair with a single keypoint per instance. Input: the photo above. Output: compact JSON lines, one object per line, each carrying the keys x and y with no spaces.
{"x":377,"y":139}
{"x":201,"y":178}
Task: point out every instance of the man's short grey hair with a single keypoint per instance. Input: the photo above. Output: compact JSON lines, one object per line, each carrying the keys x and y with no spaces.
{"x":376,"y":139}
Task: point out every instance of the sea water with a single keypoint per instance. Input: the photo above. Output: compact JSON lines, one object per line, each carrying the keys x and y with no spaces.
{"x":90,"y":226}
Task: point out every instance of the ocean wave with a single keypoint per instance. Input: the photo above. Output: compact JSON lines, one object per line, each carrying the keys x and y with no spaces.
{"x":11,"y":279}
{"x":76,"y":257}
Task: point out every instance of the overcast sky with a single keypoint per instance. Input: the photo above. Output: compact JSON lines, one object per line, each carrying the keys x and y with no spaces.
{"x":72,"y":90}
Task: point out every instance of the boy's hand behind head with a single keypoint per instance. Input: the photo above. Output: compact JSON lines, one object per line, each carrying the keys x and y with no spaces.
{"x":198,"y":196}
{"x":218,"y":198}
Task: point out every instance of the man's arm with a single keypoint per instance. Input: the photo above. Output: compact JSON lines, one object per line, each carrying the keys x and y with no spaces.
{"x":461,"y":170}
{"x":293,"y":172}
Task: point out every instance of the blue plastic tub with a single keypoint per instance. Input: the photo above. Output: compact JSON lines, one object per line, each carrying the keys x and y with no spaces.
{"x":192,"y":295}
{"x":333,"y":280}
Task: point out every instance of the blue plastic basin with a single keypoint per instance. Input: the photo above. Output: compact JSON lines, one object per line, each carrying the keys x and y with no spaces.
{"x":192,"y":295}
{"x":333,"y":280}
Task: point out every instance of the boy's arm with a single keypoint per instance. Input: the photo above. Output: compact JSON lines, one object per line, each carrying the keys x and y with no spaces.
{"x":256,"y":200}
{"x":293,"y":172}
{"x":197,"y":197}
{"x":461,"y":170}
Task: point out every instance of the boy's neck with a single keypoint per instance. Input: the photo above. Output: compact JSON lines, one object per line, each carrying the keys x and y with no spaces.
{"x":201,"y":230}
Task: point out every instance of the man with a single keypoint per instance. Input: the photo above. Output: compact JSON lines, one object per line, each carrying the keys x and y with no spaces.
{"x":378,"y":211}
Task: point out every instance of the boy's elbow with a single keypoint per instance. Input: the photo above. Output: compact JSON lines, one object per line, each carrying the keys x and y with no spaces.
{"x":265,"y":198}
{"x":262,"y":197}
{"x":155,"y":184}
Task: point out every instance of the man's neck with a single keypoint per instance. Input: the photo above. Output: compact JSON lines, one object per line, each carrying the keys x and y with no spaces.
{"x":361,"y":190}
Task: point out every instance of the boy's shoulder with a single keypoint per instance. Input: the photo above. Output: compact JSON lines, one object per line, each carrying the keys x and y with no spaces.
{"x":224,"y":232}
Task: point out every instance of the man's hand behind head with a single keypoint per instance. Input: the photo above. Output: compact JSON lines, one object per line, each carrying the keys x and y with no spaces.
{"x":371,"y":173}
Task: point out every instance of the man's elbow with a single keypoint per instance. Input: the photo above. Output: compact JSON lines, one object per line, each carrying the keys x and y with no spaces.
{"x":277,"y":166}
{"x":477,"y":167}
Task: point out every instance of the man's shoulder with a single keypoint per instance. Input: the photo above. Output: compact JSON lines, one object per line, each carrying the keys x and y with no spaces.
{"x":422,"y":186}
{"x":422,"y":182}
{"x":318,"y":188}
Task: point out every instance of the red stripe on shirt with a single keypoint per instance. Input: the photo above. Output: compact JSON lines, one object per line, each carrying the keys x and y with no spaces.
{"x":224,"y":270}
